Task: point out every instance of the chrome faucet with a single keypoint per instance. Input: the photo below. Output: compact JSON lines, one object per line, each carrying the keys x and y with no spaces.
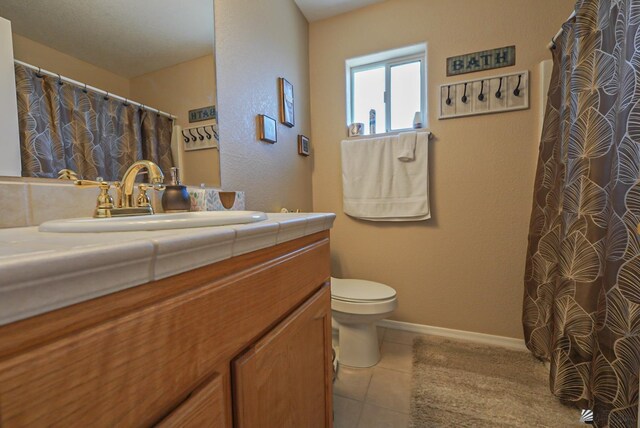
{"x":124,"y":204}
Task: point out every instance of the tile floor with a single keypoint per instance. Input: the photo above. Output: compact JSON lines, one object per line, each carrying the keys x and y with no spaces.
{"x":377,"y":397}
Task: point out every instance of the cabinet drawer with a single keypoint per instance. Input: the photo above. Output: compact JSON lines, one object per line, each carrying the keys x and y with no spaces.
{"x":205,"y":407}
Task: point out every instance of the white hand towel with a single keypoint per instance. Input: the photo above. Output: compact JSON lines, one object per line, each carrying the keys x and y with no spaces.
{"x":379,"y":187}
{"x":405,"y":149}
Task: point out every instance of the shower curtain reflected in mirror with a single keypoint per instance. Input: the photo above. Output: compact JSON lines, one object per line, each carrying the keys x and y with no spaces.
{"x":582,"y":285}
{"x":62,"y":126}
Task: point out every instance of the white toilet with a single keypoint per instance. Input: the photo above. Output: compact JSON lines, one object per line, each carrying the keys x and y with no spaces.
{"x":356,"y":305}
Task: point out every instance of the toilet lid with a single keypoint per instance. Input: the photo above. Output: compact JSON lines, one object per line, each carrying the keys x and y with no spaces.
{"x":359,"y":290}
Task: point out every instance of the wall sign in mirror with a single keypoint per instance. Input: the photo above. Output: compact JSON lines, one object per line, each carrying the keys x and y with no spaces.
{"x":204,"y":113}
{"x":267,"y":128}
{"x":159,"y":65}
{"x":286,"y":103}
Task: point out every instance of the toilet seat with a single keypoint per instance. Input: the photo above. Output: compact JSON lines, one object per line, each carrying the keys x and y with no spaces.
{"x":360,"y":297}
{"x":360,"y":291}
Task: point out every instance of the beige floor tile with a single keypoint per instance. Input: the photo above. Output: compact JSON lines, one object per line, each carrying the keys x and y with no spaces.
{"x":346,"y":412}
{"x":396,"y":357}
{"x":377,"y":417}
{"x":400,"y":336}
{"x":352,"y":383}
{"x":390,"y":389}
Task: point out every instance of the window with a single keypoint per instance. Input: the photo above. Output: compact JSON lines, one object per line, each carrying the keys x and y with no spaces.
{"x":393,"y":84}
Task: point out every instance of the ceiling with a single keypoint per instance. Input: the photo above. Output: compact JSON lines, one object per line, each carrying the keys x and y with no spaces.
{"x":315,"y":10}
{"x":126,"y":37}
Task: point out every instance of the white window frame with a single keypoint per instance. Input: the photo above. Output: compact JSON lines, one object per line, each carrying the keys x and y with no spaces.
{"x":389,"y":59}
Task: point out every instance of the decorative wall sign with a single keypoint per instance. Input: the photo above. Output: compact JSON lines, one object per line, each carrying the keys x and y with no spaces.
{"x":203,"y":113}
{"x":267,"y":128}
{"x":303,"y":145}
{"x":286,"y":103}
{"x":493,"y":94}
{"x":483,"y":60}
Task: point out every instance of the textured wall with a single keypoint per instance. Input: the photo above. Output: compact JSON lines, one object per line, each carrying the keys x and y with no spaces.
{"x":464,"y":268}
{"x":258,"y":41}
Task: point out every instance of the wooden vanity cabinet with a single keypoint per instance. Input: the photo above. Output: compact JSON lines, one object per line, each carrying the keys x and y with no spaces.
{"x":244,"y":342}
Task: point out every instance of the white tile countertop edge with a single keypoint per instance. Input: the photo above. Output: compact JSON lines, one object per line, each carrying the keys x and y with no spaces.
{"x":40,"y":271}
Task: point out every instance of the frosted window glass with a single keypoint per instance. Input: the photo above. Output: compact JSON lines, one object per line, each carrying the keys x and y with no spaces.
{"x":405,"y":94}
{"x":368,"y":93}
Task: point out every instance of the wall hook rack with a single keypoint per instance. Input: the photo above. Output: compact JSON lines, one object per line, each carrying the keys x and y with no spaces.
{"x":205,"y":137}
{"x":494,"y":94}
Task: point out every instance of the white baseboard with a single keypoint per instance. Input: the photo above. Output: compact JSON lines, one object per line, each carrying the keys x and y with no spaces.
{"x":487,"y":339}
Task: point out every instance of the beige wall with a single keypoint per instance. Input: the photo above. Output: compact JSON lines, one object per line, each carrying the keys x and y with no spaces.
{"x":464,"y":268}
{"x":258,"y":41}
{"x":37,"y":54}
{"x":177,"y":90}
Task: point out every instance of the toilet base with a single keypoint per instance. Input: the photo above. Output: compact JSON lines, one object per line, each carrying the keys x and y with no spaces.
{"x":358,"y":345}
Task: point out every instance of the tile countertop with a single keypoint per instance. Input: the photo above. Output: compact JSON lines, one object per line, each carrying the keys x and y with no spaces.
{"x":40,"y":271}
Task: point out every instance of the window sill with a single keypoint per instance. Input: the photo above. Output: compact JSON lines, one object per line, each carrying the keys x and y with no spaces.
{"x":388,"y":134}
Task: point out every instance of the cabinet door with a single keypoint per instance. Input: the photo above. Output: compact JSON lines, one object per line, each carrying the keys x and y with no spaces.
{"x":285,"y":379}
{"x":205,"y":407}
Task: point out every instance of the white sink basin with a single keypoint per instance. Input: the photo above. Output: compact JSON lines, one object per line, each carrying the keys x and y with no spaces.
{"x":152,"y":222}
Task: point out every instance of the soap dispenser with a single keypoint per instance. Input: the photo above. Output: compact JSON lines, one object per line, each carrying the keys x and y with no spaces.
{"x":175,"y":197}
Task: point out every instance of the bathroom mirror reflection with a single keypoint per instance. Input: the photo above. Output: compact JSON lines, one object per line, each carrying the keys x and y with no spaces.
{"x":158,"y":53}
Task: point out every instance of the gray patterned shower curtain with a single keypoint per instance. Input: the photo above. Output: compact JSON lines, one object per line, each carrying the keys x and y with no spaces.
{"x":62,"y":126}
{"x":582,"y":284}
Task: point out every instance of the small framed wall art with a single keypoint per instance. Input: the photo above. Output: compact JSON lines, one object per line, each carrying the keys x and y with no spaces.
{"x":267,"y":128}
{"x":303,"y":145}
{"x":286,"y":103}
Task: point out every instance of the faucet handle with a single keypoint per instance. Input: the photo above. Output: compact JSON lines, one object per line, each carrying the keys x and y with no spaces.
{"x":92,"y":183}
{"x":105,"y":201}
{"x":143,"y":198}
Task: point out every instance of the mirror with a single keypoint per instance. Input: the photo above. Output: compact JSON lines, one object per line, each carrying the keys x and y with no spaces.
{"x":158,"y":53}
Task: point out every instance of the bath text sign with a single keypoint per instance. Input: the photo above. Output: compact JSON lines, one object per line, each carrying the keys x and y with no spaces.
{"x":483,"y":60}
{"x":204,"y":113}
